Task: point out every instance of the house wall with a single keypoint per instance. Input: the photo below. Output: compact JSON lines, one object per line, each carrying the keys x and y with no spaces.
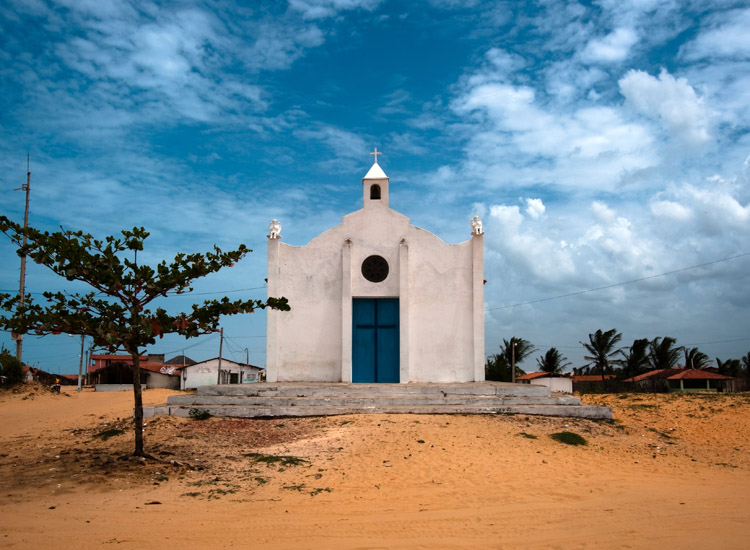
{"x":159,"y":380}
{"x":206,"y":373}
{"x":439,"y":286}
{"x":555,"y":384}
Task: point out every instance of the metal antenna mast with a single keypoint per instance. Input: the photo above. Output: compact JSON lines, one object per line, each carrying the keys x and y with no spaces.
{"x":22,"y":287}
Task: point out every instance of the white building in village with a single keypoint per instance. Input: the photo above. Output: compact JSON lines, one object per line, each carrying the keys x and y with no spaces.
{"x":206,"y":373}
{"x":376,"y":299}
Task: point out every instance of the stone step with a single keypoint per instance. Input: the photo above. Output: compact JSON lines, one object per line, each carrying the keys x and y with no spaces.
{"x":239,"y":411}
{"x":366,"y":400}
{"x":326,"y":389}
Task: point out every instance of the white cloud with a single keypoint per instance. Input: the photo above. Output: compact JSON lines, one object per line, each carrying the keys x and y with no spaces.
{"x":587,"y":146}
{"x":345,"y":145}
{"x":613,"y":48}
{"x":725,"y":35}
{"x":671,"y":101}
{"x":670,"y":211}
{"x":535,"y":208}
{"x":319,"y":9}
{"x":505,"y":62}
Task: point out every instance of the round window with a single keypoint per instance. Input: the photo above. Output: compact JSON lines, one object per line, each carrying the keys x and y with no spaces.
{"x":375,"y":269}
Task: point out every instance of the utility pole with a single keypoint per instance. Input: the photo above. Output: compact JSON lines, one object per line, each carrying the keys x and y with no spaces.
{"x":80,"y":364}
{"x":247,"y":363}
{"x":221,"y":346}
{"x":513,"y":362}
{"x":22,"y":287}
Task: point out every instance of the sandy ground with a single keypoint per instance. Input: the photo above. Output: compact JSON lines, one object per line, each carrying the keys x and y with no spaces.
{"x":669,"y":472}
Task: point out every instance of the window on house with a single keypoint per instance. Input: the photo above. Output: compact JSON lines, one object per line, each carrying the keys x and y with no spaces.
{"x":375,"y":192}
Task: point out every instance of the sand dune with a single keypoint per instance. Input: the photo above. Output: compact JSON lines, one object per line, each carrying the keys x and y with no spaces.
{"x":670,"y":472}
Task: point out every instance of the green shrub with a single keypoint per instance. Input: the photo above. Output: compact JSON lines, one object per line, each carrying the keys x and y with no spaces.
{"x":106,"y":434}
{"x":199,"y":414}
{"x":10,"y":367}
{"x":569,"y":438}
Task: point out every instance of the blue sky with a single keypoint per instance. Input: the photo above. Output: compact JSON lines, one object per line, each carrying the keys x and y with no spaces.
{"x":600,"y":142}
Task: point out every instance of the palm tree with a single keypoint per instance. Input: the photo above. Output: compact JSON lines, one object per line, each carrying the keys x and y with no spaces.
{"x":695,"y":359}
{"x":730,"y":367}
{"x":663,"y":354}
{"x":552,"y":362}
{"x":635,"y":361}
{"x":515,"y":351}
{"x":601,"y":346}
{"x":497,"y":369}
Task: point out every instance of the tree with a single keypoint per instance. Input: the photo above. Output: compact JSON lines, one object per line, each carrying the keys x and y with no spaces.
{"x":515,"y":351}
{"x":10,"y":367}
{"x":635,"y":360}
{"x":695,"y":359}
{"x":601,"y":347}
{"x":114,"y":314}
{"x":730,"y":367}
{"x":498,"y":366}
{"x":497,"y":369}
{"x":663,"y":354}
{"x":552,"y":362}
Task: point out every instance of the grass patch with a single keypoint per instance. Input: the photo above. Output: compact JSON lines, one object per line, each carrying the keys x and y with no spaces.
{"x":569,"y":438}
{"x":193,"y":494}
{"x":527,"y":435}
{"x":199,"y":414}
{"x":643,"y":406}
{"x":261,"y":480}
{"x":294,"y":487}
{"x":106,"y":434}
{"x":277,"y":459}
{"x":662,"y":434}
{"x":320,"y":490}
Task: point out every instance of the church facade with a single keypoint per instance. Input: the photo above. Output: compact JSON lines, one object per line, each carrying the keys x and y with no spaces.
{"x":376,"y":300}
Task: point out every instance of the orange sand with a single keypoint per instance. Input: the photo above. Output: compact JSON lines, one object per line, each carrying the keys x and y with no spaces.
{"x":670,"y":472}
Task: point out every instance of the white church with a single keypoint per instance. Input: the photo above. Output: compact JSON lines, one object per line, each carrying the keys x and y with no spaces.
{"x":376,"y":300}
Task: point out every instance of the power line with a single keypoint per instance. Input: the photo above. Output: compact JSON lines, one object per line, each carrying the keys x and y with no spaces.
{"x":619,"y":284}
{"x":169,"y":293}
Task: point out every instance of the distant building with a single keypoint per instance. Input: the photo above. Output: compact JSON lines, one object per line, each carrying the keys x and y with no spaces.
{"x":206,"y":373}
{"x":555,"y":382}
{"x":683,"y":379}
{"x":115,"y":372}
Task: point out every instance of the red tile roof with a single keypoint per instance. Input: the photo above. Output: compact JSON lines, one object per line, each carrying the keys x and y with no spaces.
{"x":591,"y":377}
{"x":679,"y":373}
{"x":698,"y":374}
{"x":535,"y":375}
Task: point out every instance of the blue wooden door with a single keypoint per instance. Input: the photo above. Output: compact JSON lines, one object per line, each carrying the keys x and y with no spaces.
{"x":375,"y":350}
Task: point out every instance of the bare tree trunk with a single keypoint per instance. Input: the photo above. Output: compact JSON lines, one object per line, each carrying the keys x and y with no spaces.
{"x":138,"y":410}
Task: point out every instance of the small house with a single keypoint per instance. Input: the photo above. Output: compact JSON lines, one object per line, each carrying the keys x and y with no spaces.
{"x":683,"y":379}
{"x":218,"y":371}
{"x":553,"y":381}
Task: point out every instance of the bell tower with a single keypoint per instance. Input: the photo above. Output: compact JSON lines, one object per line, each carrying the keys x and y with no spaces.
{"x":375,"y":185}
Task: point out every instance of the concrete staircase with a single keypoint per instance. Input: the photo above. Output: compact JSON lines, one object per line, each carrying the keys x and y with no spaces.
{"x":324,"y":399}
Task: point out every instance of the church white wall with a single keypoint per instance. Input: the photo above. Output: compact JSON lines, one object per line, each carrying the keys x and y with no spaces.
{"x":309,"y":335}
{"x":439,"y":287}
{"x":441,"y":313}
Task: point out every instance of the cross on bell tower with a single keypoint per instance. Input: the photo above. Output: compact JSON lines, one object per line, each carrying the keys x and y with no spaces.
{"x":375,"y":185}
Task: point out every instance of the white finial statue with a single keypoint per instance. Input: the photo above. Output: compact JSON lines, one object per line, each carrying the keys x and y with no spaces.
{"x":274,"y":229}
{"x":476,"y":226}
